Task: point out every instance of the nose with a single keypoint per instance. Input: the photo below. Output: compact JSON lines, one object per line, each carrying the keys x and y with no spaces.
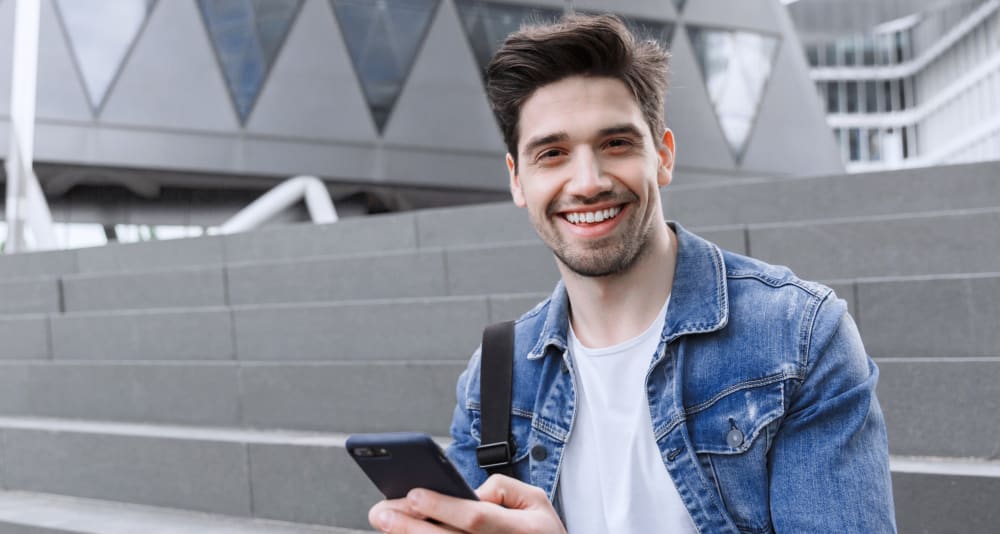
{"x":587,"y":179}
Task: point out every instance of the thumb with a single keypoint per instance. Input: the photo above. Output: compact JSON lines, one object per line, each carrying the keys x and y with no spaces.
{"x":510,"y":493}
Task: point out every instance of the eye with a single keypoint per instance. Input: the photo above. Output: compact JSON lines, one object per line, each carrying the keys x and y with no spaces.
{"x":549,"y":155}
{"x":619,"y":143}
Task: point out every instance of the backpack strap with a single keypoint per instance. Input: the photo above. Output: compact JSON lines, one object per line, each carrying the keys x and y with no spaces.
{"x":496,"y":370}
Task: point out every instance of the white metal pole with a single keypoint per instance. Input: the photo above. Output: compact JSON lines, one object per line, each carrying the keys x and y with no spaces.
{"x":22,"y":119}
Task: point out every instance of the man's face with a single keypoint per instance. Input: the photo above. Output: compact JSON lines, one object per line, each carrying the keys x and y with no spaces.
{"x":589,"y":173}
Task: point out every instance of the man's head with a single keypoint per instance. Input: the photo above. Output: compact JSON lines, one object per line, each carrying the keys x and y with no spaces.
{"x":577,"y":45}
{"x":581,"y":106}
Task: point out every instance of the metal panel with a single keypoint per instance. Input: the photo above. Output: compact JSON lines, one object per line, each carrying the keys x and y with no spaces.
{"x":648,"y":9}
{"x":6,"y":55}
{"x":744,"y":14}
{"x":60,"y":90}
{"x":443,"y":102}
{"x":172,"y":79}
{"x":312,"y":90}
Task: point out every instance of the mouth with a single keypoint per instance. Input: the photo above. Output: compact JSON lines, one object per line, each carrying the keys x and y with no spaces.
{"x":587,"y":217}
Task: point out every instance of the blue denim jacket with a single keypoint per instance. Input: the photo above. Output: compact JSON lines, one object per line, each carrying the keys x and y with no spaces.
{"x":761,"y":395}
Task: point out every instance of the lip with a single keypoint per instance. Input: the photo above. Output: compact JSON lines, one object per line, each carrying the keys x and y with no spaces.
{"x":593,"y":230}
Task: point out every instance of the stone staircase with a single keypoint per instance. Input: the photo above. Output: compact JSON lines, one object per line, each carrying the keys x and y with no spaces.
{"x":207,"y":385}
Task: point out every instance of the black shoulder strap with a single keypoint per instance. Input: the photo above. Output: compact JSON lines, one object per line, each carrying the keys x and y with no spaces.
{"x":496,"y":371}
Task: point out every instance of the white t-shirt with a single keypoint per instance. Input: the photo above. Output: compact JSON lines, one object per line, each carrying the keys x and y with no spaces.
{"x":613,"y":478}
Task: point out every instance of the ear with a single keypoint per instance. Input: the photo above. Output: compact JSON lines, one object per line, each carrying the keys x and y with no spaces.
{"x":666,"y":151}
{"x":515,"y":183}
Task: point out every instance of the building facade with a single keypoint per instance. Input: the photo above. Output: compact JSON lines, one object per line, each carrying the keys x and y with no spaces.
{"x":906,"y":84}
{"x":179,"y":112}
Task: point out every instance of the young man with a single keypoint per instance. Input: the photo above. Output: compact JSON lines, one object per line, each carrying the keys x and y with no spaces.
{"x":666,"y":385}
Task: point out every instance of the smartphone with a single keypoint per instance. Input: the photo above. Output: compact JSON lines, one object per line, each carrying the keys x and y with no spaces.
{"x":398,"y":462}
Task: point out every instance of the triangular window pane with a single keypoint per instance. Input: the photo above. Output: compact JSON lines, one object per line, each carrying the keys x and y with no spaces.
{"x":735,"y":66}
{"x":661,"y":32}
{"x":487,"y":24}
{"x":383,"y":37}
{"x":247,"y":35}
{"x":101,"y":35}
{"x":679,"y":4}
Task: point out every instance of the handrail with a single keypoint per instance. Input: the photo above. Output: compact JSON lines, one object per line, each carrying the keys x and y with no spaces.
{"x":279,"y":198}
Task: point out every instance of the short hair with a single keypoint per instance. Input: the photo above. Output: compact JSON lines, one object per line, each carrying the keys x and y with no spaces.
{"x":576,"y":45}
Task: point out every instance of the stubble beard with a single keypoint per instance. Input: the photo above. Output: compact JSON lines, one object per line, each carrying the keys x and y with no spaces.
{"x":609,"y":256}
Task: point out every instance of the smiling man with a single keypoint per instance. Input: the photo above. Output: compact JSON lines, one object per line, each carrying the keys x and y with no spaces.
{"x":666,"y":385}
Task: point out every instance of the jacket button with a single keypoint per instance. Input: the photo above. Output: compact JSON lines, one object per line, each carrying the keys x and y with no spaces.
{"x":538,"y":453}
{"x":734,"y":438}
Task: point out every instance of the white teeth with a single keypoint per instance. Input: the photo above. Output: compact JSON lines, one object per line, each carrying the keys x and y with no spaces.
{"x":593,"y":216}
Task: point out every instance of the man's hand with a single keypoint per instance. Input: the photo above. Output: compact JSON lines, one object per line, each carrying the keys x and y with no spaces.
{"x":506,"y":506}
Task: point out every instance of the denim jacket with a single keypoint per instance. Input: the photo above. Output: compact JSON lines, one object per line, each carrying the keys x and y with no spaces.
{"x":761,"y":395}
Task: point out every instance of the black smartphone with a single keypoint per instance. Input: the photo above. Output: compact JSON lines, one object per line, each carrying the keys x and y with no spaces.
{"x":398,"y":462}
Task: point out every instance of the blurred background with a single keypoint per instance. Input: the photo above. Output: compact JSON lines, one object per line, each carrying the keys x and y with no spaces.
{"x":144,"y":376}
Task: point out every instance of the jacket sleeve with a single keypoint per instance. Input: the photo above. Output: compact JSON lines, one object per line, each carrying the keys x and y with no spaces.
{"x":462,"y":451}
{"x":830,"y":458}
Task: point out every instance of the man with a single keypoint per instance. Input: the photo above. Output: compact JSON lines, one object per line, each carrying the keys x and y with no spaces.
{"x":665,"y":386}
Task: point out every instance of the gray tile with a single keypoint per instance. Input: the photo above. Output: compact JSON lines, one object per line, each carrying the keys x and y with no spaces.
{"x":514,"y":268}
{"x":310,"y":484}
{"x":351,"y":397}
{"x":151,"y":255}
{"x":852,"y":195}
{"x":35,"y":264}
{"x":941,"y":244}
{"x":194,"y":475}
{"x":38,"y":295}
{"x":394,"y":275}
{"x":196,"y":333}
{"x":474,"y":225}
{"x":25,"y":337}
{"x":163,"y":393}
{"x":941,"y":408}
{"x":439,"y":329}
{"x":511,"y":307}
{"x":349,"y":235}
{"x":931,"y":504}
{"x":161,"y":289}
{"x":932,"y":317}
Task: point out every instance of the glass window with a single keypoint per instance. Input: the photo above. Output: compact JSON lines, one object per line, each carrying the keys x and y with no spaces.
{"x":849,"y":50}
{"x":887,"y":96}
{"x":831,"y":55}
{"x":871,"y":97}
{"x":383,"y":38}
{"x":246,"y":37}
{"x":487,"y":24}
{"x":735,"y":66}
{"x":661,"y":32}
{"x":833,"y":97}
{"x":851,"y":88}
{"x":812,"y":55}
{"x":874,"y":145}
{"x":854,"y":144}
{"x":679,"y":4}
{"x":868,"y":51}
{"x":100,"y":35}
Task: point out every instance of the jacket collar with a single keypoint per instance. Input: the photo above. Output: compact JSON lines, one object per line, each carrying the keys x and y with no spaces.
{"x":699,"y":300}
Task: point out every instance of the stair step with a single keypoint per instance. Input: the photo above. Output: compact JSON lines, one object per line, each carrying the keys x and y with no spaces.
{"x":935,"y":495}
{"x":40,"y":513}
{"x":287,"y":476}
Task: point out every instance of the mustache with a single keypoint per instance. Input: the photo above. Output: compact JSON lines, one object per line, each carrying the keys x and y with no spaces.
{"x":560,"y":205}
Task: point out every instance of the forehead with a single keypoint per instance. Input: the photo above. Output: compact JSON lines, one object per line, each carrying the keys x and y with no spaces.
{"x":577,"y":106}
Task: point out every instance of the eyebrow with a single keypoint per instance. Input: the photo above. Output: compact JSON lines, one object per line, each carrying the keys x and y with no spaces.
{"x":626,"y":129}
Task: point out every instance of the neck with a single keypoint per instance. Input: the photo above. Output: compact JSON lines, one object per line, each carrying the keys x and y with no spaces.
{"x":608,"y":310}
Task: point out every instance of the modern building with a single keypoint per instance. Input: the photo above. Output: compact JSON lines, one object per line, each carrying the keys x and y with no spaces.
{"x":906,"y":83}
{"x":163,"y":118}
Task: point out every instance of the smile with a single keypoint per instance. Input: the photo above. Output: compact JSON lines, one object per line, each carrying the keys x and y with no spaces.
{"x":590,"y":217}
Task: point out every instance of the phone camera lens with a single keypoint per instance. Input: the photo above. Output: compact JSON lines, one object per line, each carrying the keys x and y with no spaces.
{"x":382,"y":451}
{"x":363,"y":452}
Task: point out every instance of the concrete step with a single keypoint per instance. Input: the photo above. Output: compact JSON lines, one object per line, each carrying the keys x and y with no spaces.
{"x":907,"y":245}
{"x":369,"y":396}
{"x":309,"y":478}
{"x":935,"y":495}
{"x":30,"y":295}
{"x":183,"y":287}
{"x":854,"y":195}
{"x":892,"y":314}
{"x":42,"y":513}
{"x":285,"y":476}
{"x":927,"y":402}
{"x":941,"y":406}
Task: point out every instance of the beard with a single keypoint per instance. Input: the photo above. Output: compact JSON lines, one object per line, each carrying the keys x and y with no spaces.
{"x":608,"y":256}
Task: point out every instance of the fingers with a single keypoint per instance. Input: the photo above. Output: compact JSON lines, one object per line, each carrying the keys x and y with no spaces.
{"x":511,"y":493}
{"x":398,"y":517}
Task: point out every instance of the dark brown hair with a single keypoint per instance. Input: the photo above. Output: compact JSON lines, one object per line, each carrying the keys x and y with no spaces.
{"x":577,"y":45}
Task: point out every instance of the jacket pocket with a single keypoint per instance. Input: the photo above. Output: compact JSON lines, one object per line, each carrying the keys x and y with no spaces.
{"x":731,"y":434}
